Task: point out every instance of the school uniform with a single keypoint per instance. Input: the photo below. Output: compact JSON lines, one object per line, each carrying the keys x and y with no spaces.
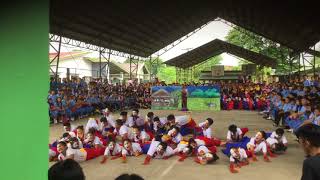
{"x":116,"y":151}
{"x":176,"y":139}
{"x":237,"y":134}
{"x":205,"y":132}
{"x":79,"y":155}
{"x":275,"y":139}
{"x":242,"y":155}
{"x":92,"y":123}
{"x":186,"y":124}
{"x":122,"y":131}
{"x":138,"y":139}
{"x":135,"y":148}
{"x":180,"y":146}
{"x":262,"y":146}
{"x":138,"y":121}
{"x":316,"y":120}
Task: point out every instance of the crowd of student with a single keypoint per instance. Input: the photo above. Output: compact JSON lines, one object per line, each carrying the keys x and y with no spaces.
{"x":161,"y":138}
{"x":289,"y":104}
{"x":70,"y":100}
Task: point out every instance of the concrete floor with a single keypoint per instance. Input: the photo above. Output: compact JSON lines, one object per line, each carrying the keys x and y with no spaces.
{"x":284,"y":167}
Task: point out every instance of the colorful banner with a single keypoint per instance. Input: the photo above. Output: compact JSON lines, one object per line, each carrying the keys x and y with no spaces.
{"x":199,"y":97}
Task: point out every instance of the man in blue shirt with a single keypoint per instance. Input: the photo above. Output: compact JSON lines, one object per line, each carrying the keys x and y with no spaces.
{"x":306,"y":82}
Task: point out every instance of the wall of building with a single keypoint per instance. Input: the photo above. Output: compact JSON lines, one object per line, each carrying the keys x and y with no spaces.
{"x":95,"y":69}
{"x":77,"y":67}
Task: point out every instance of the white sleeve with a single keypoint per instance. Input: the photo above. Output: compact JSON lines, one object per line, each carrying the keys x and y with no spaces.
{"x":239,"y":131}
{"x":229,"y":135}
{"x":251,"y":142}
{"x":243,"y":153}
{"x":204,"y":149}
{"x":80,"y":144}
{"x":182,"y":120}
{"x":202,"y":124}
{"x":208,"y":133}
{"x":117,"y":149}
{"x":72,"y":134}
{"x":284,"y":139}
{"x":232,"y":159}
{"x":136,"y":147}
{"x":111,"y":121}
{"x":107,"y":152}
{"x":273,"y":135}
{"x":179,"y":148}
{"x":144,"y":135}
{"x":124,"y":151}
{"x":169,"y":151}
{"x":130,"y":122}
{"x":97,"y":140}
{"x":153,"y":147}
{"x":123,"y":130}
{"x":70,"y":151}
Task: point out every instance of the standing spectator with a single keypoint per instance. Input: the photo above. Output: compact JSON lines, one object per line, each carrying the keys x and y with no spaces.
{"x":309,"y":138}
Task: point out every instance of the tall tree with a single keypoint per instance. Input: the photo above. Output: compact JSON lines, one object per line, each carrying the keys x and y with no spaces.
{"x":259,"y":44}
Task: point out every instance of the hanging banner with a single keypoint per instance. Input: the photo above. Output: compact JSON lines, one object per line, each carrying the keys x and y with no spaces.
{"x":199,"y":97}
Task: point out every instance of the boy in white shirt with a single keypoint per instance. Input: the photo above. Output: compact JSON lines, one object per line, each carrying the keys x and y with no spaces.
{"x":205,"y":126}
{"x":75,"y":152}
{"x":107,"y":114}
{"x":139,"y":136}
{"x":158,"y":150}
{"x":68,"y":128}
{"x":235,"y":134}
{"x":92,"y":123}
{"x":124,"y":118}
{"x":130,"y":149}
{"x":113,"y":149}
{"x":277,"y":141}
{"x":106,"y":126}
{"x":185,"y":123}
{"x":205,"y":156}
{"x":135,"y":119}
{"x":121,"y":130}
{"x":175,"y":136}
{"x":238,"y":158}
{"x":257,"y":144}
{"x":92,"y":141}
{"x":62,"y":150}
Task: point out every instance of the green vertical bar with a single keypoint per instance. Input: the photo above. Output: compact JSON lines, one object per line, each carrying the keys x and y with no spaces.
{"x":24,"y":83}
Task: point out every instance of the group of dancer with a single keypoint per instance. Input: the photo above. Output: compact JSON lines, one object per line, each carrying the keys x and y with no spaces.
{"x":161,"y":138}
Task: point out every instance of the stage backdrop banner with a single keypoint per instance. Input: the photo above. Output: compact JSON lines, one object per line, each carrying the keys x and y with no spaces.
{"x":199,"y":97}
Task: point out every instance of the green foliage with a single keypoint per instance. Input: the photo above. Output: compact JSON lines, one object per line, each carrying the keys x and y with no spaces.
{"x":259,"y":44}
{"x":167,"y":73}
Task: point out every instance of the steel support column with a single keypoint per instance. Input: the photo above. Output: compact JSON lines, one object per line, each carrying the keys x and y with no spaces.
{"x":299,"y":67}
{"x":58,"y":59}
{"x":108,"y":71}
{"x":100,"y":54}
{"x":154,"y":63}
{"x":314,"y":63}
{"x":134,"y":63}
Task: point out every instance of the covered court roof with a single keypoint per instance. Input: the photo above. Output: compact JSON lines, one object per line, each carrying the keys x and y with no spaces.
{"x":143,"y":27}
{"x":215,"y":48}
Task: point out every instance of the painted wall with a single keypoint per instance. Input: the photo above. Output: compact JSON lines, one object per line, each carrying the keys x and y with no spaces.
{"x":77,"y":66}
